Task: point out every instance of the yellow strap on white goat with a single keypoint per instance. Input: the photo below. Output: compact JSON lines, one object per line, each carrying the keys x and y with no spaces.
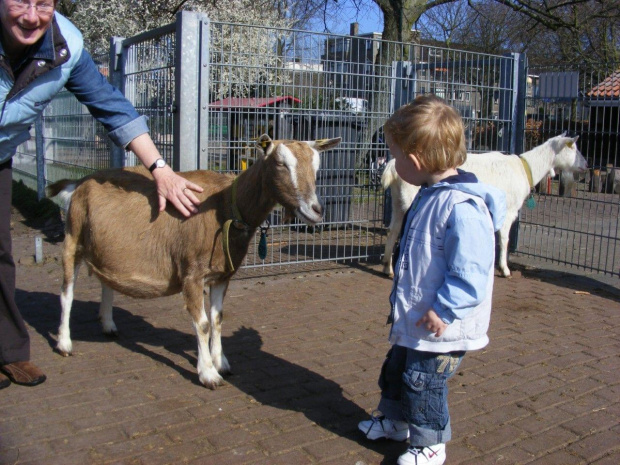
{"x":528,"y":172}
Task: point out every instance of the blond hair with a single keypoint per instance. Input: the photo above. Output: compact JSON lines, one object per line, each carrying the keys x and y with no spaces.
{"x":432,"y":130}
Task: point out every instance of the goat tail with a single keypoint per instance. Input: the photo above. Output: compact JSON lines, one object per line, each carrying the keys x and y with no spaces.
{"x":64,"y":189}
{"x":389,"y":176}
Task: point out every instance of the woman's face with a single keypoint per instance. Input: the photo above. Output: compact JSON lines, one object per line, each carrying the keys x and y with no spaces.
{"x":23,"y":24}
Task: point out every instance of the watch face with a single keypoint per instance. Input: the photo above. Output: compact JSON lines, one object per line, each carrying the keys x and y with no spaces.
{"x":159,"y":163}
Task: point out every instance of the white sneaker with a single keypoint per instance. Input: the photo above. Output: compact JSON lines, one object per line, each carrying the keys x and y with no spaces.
{"x":380,"y":427}
{"x":433,"y":455}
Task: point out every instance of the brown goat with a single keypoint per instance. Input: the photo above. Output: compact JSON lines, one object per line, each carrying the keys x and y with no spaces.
{"x":113,"y":225}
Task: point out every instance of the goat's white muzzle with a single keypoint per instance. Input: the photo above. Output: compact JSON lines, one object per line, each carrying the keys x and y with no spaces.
{"x":310,"y":213}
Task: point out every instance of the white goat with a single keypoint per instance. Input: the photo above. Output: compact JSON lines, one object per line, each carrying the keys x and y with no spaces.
{"x":113,"y":225}
{"x":506,"y":172}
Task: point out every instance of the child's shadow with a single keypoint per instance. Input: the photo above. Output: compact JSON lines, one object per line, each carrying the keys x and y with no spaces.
{"x":279,"y":383}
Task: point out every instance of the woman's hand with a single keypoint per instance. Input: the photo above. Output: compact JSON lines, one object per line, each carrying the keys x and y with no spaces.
{"x":170,"y":186}
{"x":176,"y":189}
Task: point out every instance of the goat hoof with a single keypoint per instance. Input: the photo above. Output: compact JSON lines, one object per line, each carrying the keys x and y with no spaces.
{"x":213,"y":384}
{"x":212,"y":380}
{"x":224,"y":367}
{"x":111,"y":334}
{"x":387,"y":270}
{"x":63,"y":353}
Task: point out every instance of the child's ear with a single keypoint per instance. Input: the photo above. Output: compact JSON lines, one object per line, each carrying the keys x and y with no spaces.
{"x":415,"y":160}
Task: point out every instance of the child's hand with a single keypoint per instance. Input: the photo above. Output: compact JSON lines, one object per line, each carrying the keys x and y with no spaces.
{"x":433,"y":323}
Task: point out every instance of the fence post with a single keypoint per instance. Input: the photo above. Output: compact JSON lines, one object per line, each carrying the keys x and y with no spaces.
{"x":117,"y":71}
{"x":518,"y":122}
{"x":191,"y":90}
{"x":512,"y":102}
{"x":517,"y":144}
{"x":40,"y":156}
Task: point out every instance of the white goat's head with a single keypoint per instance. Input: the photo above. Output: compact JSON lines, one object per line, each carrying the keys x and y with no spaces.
{"x":568,"y":158}
{"x":293,"y":166}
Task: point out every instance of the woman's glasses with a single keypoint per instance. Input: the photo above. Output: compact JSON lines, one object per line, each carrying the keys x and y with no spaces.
{"x":21,"y":6}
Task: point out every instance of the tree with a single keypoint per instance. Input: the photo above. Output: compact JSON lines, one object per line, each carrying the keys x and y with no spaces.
{"x":492,"y":27}
{"x":584,"y":30}
{"x":258,"y":49}
{"x":101,"y":20}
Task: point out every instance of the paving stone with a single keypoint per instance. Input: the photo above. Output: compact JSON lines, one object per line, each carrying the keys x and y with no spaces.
{"x":305,"y":350}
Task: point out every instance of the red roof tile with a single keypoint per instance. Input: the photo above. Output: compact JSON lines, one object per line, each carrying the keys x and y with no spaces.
{"x":609,"y":88}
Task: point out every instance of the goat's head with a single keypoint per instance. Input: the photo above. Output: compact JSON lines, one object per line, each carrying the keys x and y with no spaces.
{"x":293,"y":166}
{"x":568,"y":158}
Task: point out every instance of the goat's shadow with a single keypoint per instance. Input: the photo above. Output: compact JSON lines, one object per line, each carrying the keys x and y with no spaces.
{"x":41,"y":310}
{"x":269,"y":379}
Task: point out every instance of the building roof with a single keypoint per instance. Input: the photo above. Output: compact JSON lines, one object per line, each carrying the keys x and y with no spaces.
{"x":236,"y":102}
{"x":609,"y":88}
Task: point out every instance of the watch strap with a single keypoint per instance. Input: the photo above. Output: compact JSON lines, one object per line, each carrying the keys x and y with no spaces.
{"x":156,"y":163}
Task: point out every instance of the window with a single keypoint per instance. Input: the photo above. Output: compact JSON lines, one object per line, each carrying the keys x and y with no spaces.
{"x":342,"y":45}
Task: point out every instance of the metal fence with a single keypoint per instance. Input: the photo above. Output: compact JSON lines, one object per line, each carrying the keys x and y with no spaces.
{"x":576,"y":221}
{"x":211,"y":88}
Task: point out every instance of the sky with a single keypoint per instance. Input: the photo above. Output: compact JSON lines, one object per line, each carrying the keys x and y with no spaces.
{"x":369,"y":18}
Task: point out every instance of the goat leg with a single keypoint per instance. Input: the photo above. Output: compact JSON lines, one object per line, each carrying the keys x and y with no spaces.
{"x":105,"y":311}
{"x":217,"y":292}
{"x":70,"y":268}
{"x":503,"y":236}
{"x":194,"y":302}
{"x":390,"y":242}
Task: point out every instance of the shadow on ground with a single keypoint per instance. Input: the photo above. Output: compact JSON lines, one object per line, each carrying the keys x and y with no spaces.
{"x":572,"y":281}
{"x":279,"y":383}
{"x":269,"y":379}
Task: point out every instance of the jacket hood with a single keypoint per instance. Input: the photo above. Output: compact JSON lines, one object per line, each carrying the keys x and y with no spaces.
{"x":467,"y":182}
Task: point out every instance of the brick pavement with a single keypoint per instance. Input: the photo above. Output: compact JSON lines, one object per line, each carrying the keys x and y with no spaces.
{"x":305,"y":349}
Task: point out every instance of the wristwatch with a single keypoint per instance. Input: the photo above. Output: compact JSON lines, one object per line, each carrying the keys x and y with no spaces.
{"x":159,"y":163}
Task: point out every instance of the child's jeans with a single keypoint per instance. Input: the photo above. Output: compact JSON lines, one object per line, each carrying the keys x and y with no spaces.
{"x":414,"y":389}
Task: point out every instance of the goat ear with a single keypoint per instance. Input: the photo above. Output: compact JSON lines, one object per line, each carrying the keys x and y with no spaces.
{"x":570,"y":143}
{"x":265,"y":144}
{"x":324,"y":144}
